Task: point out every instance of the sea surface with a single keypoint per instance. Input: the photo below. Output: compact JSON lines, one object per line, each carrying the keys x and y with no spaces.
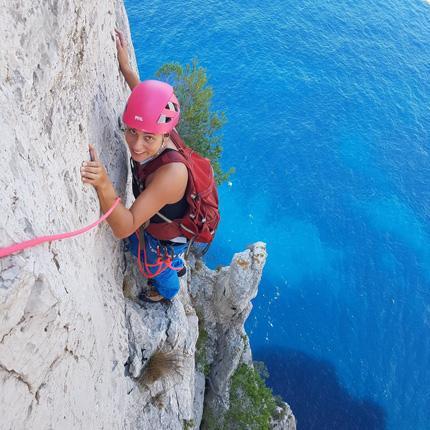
{"x":328,"y":107}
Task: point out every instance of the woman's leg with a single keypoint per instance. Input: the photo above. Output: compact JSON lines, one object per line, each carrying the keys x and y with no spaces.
{"x":167,"y":282}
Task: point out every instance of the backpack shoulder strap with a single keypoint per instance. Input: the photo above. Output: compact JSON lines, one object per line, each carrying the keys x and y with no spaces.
{"x":177,"y":140}
{"x":168,"y":156}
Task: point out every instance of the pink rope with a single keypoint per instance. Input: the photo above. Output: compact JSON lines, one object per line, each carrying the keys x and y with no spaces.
{"x":42,"y":239}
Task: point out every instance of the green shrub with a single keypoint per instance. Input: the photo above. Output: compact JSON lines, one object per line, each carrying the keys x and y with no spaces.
{"x":210,"y":422}
{"x":251,"y":403}
{"x":188,"y":424}
{"x":201,"y":360}
{"x":261,"y":369}
{"x":199,"y":126}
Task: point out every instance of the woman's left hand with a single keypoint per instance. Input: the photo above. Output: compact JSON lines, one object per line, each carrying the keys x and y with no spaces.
{"x":121,"y":46}
{"x":124,"y":63}
{"x":93,"y":172}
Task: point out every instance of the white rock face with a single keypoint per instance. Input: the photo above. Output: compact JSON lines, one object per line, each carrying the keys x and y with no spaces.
{"x":63,"y":337}
{"x":73,"y":344}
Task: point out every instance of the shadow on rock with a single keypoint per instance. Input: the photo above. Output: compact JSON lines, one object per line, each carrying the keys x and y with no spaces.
{"x":312,"y":389}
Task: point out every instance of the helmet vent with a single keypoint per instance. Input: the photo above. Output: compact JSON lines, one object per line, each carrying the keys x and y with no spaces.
{"x":173,"y":107}
{"x":163,"y":119}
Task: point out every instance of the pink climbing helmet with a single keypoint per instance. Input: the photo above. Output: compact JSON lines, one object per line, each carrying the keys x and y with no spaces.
{"x":152,"y":107}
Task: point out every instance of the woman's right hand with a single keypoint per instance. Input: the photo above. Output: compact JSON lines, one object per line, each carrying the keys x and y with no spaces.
{"x":93,"y":172}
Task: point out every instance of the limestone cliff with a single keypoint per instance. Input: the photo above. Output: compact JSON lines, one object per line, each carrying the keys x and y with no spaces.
{"x":77,"y":349}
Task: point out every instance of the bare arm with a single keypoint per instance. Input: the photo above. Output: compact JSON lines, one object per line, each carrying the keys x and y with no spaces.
{"x":124,"y":64}
{"x":168,"y":185}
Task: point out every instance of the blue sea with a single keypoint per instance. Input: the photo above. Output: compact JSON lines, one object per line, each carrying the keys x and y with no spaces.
{"x":328,"y":107}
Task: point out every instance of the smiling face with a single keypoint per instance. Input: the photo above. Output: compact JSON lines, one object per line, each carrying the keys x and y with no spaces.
{"x":142,"y":145}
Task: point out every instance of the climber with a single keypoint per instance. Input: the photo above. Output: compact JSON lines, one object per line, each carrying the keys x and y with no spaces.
{"x":151,"y":113}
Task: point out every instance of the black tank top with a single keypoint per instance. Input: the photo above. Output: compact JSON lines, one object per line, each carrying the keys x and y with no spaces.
{"x":172,"y":211}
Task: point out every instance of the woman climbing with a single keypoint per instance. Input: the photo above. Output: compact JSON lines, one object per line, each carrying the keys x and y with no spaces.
{"x":159,"y":185}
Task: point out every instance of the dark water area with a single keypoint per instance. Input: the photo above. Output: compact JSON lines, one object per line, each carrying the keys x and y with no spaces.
{"x":315,"y":394}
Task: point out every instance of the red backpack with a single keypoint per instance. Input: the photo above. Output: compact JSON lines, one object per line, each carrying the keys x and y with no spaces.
{"x":202,"y":216}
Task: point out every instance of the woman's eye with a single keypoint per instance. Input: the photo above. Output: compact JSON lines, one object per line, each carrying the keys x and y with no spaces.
{"x":149,"y":139}
{"x":132,"y":131}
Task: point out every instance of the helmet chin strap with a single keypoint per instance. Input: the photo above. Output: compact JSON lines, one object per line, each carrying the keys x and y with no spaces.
{"x":160,"y":150}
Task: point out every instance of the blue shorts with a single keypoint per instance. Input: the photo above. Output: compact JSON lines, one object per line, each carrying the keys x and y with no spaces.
{"x":166,"y":282}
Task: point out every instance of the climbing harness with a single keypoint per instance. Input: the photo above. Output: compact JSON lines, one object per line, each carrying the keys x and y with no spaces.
{"x":163,"y":261}
{"x":12,"y":249}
